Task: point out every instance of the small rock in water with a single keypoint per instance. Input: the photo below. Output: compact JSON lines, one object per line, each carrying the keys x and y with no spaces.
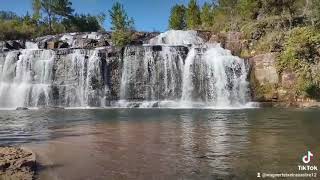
{"x":155,"y":105}
{"x":134,"y":105}
{"x":22,"y":108}
{"x":17,"y":163}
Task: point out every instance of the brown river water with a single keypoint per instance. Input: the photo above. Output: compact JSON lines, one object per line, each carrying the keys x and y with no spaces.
{"x":148,"y":144}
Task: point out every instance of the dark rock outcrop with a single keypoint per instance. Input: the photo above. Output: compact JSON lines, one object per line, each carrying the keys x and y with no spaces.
{"x":87,"y":40}
{"x":11,"y":45}
{"x":22,"y":108}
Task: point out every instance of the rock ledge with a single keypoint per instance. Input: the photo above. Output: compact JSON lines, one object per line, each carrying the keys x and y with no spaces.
{"x":17,"y":163}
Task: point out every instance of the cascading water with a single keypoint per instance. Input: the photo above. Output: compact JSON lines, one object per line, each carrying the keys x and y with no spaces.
{"x":209,"y":76}
{"x":175,"y":69}
{"x":150,"y":74}
{"x":82,"y":78}
{"x":187,"y":86}
{"x":26,"y":78}
{"x":32,"y":78}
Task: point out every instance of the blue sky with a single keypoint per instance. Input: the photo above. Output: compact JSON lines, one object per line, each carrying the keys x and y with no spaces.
{"x":149,"y":15}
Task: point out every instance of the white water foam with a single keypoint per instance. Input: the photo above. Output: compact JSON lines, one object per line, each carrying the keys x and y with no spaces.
{"x":177,"y":37}
{"x":16,"y":86}
{"x":31,"y":45}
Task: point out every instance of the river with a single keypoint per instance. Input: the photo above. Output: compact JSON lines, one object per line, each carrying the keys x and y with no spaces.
{"x":157,"y":143}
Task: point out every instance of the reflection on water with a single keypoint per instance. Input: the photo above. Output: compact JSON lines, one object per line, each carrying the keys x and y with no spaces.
{"x":163,"y":143}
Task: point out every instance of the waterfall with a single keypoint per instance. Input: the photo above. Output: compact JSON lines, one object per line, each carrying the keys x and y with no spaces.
{"x":31,"y":45}
{"x":187,"y":86}
{"x":176,"y":69}
{"x":26,"y":78}
{"x":151,"y":74}
{"x":212,"y":75}
{"x":32,"y":78}
{"x":208,"y":76}
{"x":83,"y":77}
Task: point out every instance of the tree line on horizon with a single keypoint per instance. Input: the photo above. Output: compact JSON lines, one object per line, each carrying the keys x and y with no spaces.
{"x":233,"y":15}
{"x":57,"y":16}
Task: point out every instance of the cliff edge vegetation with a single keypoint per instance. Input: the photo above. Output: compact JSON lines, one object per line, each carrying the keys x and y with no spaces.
{"x":279,"y":37}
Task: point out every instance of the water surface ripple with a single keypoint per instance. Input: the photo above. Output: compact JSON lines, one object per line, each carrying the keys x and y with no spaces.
{"x":163,"y":143}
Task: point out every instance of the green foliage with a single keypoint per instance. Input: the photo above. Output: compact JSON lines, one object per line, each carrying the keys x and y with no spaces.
{"x":220,"y":23}
{"x":193,"y":15}
{"x":57,"y":18}
{"x":249,"y":9}
{"x":276,"y":7}
{"x":8,"y":15}
{"x":16,"y":29}
{"x":230,"y":11}
{"x":207,"y":16}
{"x":271,"y":42}
{"x":62,"y":8}
{"x":300,"y":55}
{"x":36,"y":6}
{"x":121,"y":25}
{"x":119,"y":18}
{"x":121,"y":38}
{"x":82,"y":23}
{"x":300,"y":48}
{"x":177,"y":19}
{"x":306,"y":87}
{"x":53,"y":8}
{"x":315,"y":12}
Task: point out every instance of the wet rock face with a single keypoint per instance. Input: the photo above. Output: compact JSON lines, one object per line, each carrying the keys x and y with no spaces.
{"x":17,"y":163}
{"x":86,"y":76}
{"x":11,"y":45}
{"x":152,"y":72}
{"x":87,"y":40}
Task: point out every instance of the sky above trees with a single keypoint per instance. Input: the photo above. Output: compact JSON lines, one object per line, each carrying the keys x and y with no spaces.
{"x":149,"y":15}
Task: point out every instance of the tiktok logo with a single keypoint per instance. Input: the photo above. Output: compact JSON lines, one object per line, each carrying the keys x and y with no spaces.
{"x":307,"y":158}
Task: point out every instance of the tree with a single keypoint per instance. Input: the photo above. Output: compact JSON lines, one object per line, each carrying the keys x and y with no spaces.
{"x":226,"y":15}
{"x":36,"y":7}
{"x":52,"y":8}
{"x":193,"y":15}
{"x":8,"y":15}
{"x":62,"y":8}
{"x":206,"y":16}
{"x":249,"y":9}
{"x":121,"y":25}
{"x":279,"y":7}
{"x":315,"y":12}
{"x":177,"y":19}
{"x":82,"y":23}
